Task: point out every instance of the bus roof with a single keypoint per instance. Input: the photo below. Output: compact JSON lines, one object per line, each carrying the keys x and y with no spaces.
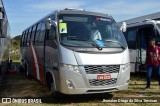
{"x":70,"y":11}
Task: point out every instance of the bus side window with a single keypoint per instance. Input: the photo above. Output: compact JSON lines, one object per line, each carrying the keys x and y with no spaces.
{"x":42,"y":33}
{"x":25,"y":38}
{"x":29,"y":37}
{"x":22,"y":39}
{"x":37,"y":33}
{"x":131,"y":38}
{"x":33,"y":34}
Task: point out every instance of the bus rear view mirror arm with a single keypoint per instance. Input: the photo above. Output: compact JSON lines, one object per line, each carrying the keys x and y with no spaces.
{"x":123,"y":28}
{"x":49,"y":22}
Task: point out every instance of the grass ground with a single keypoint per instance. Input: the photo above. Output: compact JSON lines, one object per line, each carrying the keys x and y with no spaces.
{"x":17,"y":85}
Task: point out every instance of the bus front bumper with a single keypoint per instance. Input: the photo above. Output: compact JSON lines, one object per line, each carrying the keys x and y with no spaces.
{"x":79,"y":83}
{"x":94,"y":90}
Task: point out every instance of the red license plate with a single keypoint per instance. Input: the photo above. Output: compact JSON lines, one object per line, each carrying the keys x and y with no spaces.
{"x":104,"y":77}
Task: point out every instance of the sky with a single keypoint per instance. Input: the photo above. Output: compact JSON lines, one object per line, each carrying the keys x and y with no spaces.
{"x":22,"y":13}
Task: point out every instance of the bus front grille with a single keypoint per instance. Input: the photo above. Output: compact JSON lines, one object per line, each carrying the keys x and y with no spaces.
{"x":94,"y":82}
{"x":102,"y":69}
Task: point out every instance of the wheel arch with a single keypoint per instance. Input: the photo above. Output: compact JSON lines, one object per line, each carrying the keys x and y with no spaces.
{"x":50,"y":75}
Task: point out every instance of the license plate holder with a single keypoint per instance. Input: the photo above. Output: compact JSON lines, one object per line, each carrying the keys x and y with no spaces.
{"x":104,"y":77}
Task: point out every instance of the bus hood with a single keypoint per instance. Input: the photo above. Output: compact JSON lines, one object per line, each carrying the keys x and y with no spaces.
{"x":102,"y":59}
{"x":80,"y":58}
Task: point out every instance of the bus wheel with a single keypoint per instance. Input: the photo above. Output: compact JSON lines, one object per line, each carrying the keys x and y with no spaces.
{"x":52,"y":88}
{"x":50,"y":85}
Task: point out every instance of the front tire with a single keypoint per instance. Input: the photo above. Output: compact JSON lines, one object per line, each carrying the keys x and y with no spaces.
{"x":51,"y":86}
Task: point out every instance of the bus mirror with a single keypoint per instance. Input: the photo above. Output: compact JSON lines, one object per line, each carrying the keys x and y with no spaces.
{"x":4,"y":27}
{"x":48,"y":23}
{"x":123,"y":28}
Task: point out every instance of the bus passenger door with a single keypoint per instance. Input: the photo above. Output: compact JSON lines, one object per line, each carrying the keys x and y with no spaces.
{"x":131,"y":37}
{"x":38,"y":51}
{"x":51,"y":53}
{"x":145,"y":32}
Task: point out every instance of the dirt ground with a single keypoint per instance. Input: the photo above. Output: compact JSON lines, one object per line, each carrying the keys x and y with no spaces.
{"x":18,"y":85}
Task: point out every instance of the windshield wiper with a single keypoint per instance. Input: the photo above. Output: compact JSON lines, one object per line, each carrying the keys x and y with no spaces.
{"x":114,"y":41}
{"x":77,"y":39}
{"x":99,"y":47}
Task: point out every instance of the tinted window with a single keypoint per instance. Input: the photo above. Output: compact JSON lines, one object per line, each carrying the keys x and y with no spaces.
{"x":29,"y":34}
{"x":22,"y":40}
{"x":25,"y":37}
{"x":52,"y":17}
{"x":38,"y":32}
{"x":29,"y":37}
{"x":33,"y":33}
{"x":131,"y":38}
{"x":132,"y":35}
{"x":42,"y":33}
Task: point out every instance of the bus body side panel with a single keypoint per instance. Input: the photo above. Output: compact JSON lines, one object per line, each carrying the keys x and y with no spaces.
{"x":29,"y":53}
{"x":52,"y":62}
{"x":4,"y":54}
{"x":4,"y":45}
{"x":4,"y":40}
{"x":39,"y":62}
{"x":28,"y":59}
{"x":133,"y":57}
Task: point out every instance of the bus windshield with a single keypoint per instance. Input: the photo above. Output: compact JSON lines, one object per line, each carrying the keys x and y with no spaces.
{"x":85,"y":30}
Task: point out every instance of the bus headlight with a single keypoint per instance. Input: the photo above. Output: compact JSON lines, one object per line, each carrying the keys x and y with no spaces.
{"x":125,"y":67}
{"x":70,"y":68}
